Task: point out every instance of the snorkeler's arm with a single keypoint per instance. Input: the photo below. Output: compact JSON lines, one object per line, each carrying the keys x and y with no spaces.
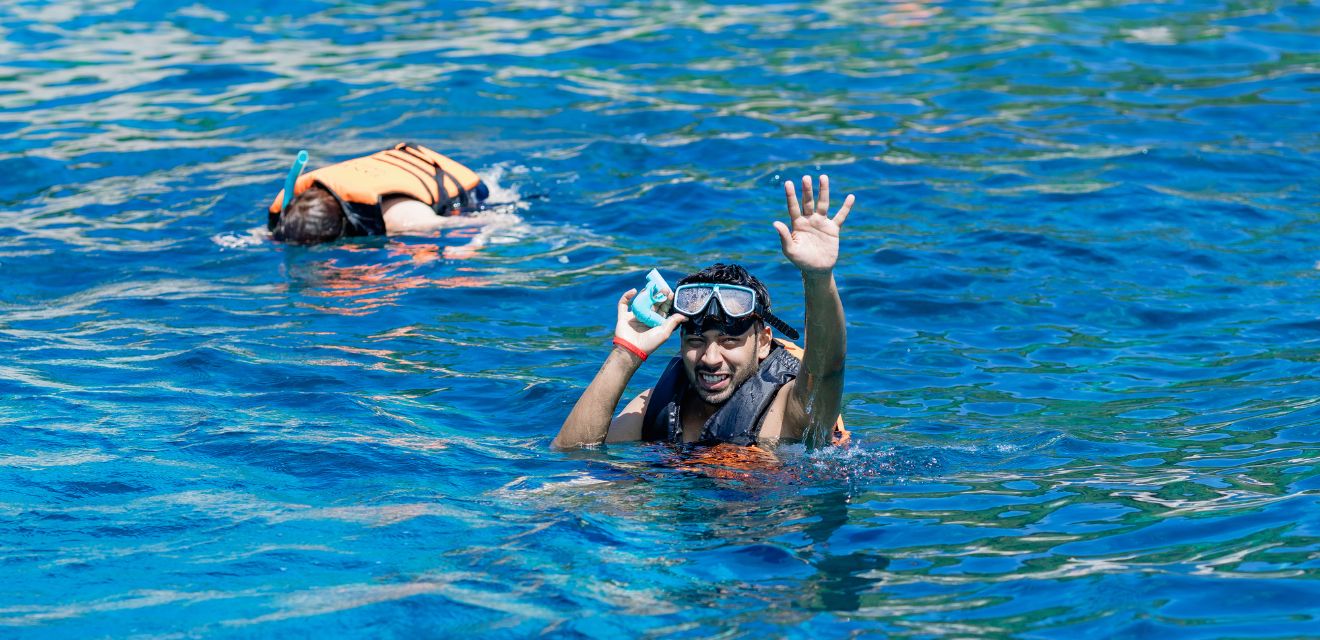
{"x":627,"y":426}
{"x":404,"y":215}
{"x":818,"y":390}
{"x":590,"y":421}
{"x":813,"y":247}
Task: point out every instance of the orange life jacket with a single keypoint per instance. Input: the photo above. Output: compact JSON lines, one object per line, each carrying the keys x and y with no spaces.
{"x":407,"y":170}
{"x":725,"y":461}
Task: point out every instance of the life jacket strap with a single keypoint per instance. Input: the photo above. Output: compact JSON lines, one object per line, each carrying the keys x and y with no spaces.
{"x":443,"y":202}
{"x":739,"y":421}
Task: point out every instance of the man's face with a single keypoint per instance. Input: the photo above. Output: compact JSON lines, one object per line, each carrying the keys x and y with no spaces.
{"x":716,"y":363}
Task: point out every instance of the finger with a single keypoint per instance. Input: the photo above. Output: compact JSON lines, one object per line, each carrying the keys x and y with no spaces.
{"x":823,"y":204}
{"x":626,"y":298}
{"x":672,"y":322}
{"x":843,"y":211}
{"x":785,"y":238}
{"x":793,"y":211}
{"x":808,"y":200}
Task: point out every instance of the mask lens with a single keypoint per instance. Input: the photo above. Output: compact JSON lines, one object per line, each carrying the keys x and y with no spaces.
{"x":691,"y":299}
{"x":737,"y":302}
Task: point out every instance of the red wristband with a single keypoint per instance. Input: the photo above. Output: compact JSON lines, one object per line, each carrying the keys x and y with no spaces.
{"x":630,"y":348}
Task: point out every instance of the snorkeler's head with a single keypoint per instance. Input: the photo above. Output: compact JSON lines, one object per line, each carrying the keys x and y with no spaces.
{"x":314,"y":216}
{"x":726,"y":337}
{"x":732,"y":310}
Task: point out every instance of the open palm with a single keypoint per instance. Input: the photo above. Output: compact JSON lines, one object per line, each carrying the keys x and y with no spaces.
{"x":812,"y":245}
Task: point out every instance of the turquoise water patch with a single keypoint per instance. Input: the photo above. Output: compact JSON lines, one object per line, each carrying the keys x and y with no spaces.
{"x":1148,"y":414}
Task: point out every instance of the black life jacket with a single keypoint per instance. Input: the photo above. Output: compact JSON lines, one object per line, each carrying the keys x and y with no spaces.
{"x":409,"y":170}
{"x":738,"y":421}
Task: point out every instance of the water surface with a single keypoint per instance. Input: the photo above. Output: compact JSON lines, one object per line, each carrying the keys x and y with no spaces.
{"x":1080,"y":282}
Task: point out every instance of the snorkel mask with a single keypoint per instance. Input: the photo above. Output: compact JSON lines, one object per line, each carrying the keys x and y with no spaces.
{"x":728,"y":308}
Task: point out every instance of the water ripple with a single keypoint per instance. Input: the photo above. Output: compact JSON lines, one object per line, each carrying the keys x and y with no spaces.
{"x":1080,"y":285}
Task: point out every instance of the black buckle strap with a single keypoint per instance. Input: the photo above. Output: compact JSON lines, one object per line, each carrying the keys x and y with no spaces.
{"x":463,"y":197}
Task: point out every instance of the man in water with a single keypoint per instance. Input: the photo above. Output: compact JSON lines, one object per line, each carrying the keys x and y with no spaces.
{"x":732,"y":382}
{"x":408,"y":188}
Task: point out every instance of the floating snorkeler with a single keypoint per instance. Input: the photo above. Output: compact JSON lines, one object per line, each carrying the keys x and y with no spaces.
{"x":406,"y":188}
{"x":732,"y":381}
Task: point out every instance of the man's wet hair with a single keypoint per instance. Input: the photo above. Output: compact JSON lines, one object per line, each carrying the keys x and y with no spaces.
{"x":314,"y":216}
{"x":720,"y":273}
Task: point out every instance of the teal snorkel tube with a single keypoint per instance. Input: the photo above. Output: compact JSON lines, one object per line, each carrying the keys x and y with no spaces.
{"x":643,"y":305}
{"x":292,"y":178}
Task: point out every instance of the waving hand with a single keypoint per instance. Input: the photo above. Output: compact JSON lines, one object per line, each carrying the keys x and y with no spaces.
{"x":812,"y":245}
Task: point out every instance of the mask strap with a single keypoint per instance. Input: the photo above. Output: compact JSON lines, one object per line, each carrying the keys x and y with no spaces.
{"x":782,"y":326}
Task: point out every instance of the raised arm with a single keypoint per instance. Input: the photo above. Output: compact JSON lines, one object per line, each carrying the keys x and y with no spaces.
{"x":591,"y":419}
{"x":812,"y":245}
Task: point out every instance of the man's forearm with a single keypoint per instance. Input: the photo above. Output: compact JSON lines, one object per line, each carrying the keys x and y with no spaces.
{"x":826,"y":350}
{"x":589,"y":422}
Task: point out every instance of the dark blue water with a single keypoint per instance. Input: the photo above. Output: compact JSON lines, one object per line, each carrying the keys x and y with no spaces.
{"x":1080,"y":282}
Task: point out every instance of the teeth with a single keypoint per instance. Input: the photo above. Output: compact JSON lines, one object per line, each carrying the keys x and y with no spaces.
{"x":711,"y":378}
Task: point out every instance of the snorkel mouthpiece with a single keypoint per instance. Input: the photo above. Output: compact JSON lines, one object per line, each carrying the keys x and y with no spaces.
{"x":290,"y":180}
{"x":643,"y":304}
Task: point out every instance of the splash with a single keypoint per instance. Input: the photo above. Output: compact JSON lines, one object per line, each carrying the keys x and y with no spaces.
{"x":857,"y":464}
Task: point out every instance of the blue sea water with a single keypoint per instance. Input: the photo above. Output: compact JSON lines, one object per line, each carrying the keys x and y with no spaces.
{"x":1080,"y":280}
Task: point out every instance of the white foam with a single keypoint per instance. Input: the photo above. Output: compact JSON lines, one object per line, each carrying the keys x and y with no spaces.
{"x":253,"y":237}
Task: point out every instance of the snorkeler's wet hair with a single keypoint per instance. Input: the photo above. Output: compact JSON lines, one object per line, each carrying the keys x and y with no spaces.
{"x":720,"y":273}
{"x":314,"y":216}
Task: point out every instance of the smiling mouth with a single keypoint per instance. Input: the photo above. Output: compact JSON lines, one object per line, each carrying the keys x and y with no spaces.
{"x":713,"y":381}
